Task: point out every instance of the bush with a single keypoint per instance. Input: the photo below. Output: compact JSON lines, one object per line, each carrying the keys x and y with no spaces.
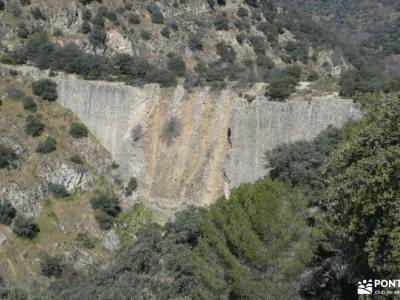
{"x":7,"y":156}
{"x":25,"y":227}
{"x":51,"y":266}
{"x":222,"y":23}
{"x":86,"y":14}
{"x":156,"y":14}
{"x":226,"y":52}
{"x":29,"y":104}
{"x":46,"y":89}
{"x":164,"y":78}
{"x":134,"y":18}
{"x":78,"y":130}
{"x":48,"y":146}
{"x":33,"y":126}
{"x":2,"y":5}
{"x":98,"y":37}
{"x":131,"y":187}
{"x":145,"y":35}
{"x":106,"y":208}
{"x":177,"y":65}
{"x":57,"y":32}
{"x":7,"y":213}
{"x":171,"y":130}
{"x":85,"y":27}
{"x":37,"y":13}
{"x":242,"y":12}
{"x":195,"y":41}
{"x":137,"y":133}
{"x":84,"y":239}
{"x":165,"y":32}
{"x":58,"y":190}
{"x":76,"y":159}
{"x":22,"y":31}
{"x":258,"y":44}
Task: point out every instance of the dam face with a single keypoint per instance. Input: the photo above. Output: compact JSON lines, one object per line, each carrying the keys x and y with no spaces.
{"x":221,"y":142}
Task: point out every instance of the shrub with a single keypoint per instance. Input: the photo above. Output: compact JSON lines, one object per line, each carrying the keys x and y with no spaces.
{"x":241,"y":37}
{"x":156,"y":14}
{"x":133,"y":18}
{"x":112,"y":16}
{"x":48,"y":146}
{"x":22,"y":31}
{"x":137,"y":133}
{"x":85,"y":27}
{"x":98,"y":37}
{"x":14,"y":9}
{"x":281,"y":87}
{"x":76,"y":159}
{"x":106,"y":207}
{"x":29,"y":104}
{"x":177,"y":65}
{"x":46,"y":89}
{"x":195,"y":41}
{"x":78,"y":130}
{"x":57,"y":32}
{"x":7,"y":213}
{"x":51,"y":266}
{"x":25,"y":227}
{"x":2,"y":5}
{"x":7,"y":156}
{"x":211,"y":3}
{"x":58,"y":190}
{"x":164,"y":78}
{"x":131,"y":187}
{"x":222,"y":23}
{"x":171,"y":130}
{"x":86,"y":14}
{"x":165,"y":32}
{"x":226,"y":52}
{"x":84,"y":239}
{"x":258,"y":44}
{"x":145,"y":35}
{"x":37,"y":13}
{"x":242,"y":12}
{"x":33,"y":126}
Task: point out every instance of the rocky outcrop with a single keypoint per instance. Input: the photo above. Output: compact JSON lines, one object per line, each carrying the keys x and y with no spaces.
{"x":221,"y":140}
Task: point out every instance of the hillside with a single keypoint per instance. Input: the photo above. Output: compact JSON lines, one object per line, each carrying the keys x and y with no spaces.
{"x":197,"y":149}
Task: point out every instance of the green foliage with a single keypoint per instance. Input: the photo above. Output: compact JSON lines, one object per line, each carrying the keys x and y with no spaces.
{"x":165,"y":32}
{"x":195,"y":41}
{"x":131,"y":187}
{"x":284,"y":83}
{"x":176,"y":65}
{"x":47,"y":146}
{"x":7,"y":213}
{"x":37,"y":13}
{"x":15,"y":93}
{"x":298,"y":164}
{"x":25,"y":227}
{"x":85,"y":27}
{"x":260,"y":228}
{"x":51,"y":266}
{"x":258,"y":44}
{"x":362,"y":178}
{"x":46,"y":89}
{"x":171,"y":130}
{"x":78,"y":130}
{"x":33,"y":126}
{"x":76,"y":159}
{"x":29,"y":104}
{"x":98,"y":37}
{"x":242,"y":12}
{"x":222,"y":22}
{"x":106,"y":208}
{"x":134,"y":18}
{"x":226,"y":52}
{"x":145,"y":35}
{"x":156,"y":14}
{"x":85,"y":240}
{"x":58,"y":190}
{"x":2,"y":5}
{"x":7,"y":156}
{"x":128,"y":225}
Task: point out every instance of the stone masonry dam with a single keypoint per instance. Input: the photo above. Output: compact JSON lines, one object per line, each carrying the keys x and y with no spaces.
{"x":221,"y":142}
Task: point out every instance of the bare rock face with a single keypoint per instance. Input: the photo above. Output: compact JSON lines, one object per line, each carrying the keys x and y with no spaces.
{"x":263,"y":125}
{"x":219,"y":144}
